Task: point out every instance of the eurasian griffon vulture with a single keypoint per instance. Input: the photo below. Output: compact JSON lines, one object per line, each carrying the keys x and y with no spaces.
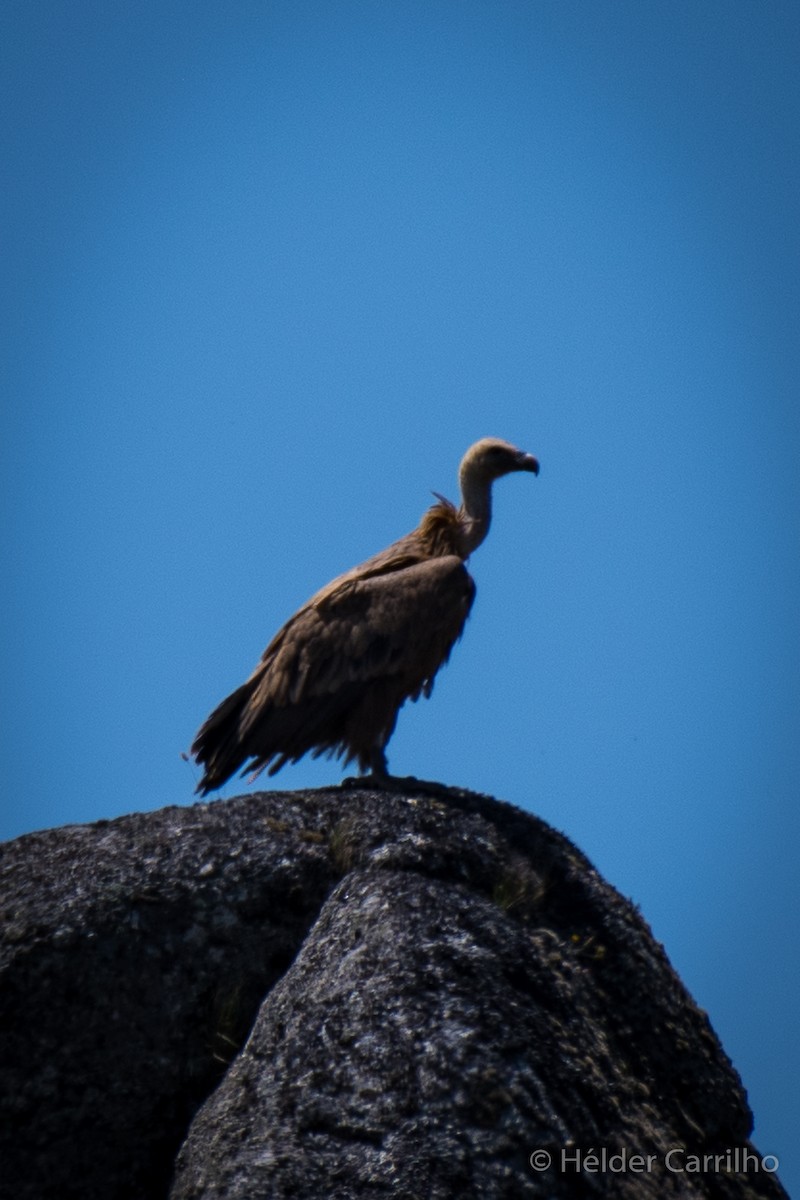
{"x":335,"y":676}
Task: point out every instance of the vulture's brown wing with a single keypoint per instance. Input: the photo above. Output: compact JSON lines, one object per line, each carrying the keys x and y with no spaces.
{"x":334,"y":677}
{"x":398,"y":623}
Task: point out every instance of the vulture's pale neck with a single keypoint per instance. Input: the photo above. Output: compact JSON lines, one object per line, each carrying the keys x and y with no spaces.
{"x":475,"y":515}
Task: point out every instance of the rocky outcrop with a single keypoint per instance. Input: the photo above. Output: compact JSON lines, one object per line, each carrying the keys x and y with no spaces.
{"x":347,"y":993}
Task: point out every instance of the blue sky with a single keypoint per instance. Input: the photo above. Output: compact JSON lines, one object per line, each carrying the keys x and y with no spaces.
{"x":270,"y":268}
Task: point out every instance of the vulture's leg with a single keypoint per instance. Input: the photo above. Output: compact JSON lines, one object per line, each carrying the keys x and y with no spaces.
{"x":378,"y":772}
{"x":379,"y":767}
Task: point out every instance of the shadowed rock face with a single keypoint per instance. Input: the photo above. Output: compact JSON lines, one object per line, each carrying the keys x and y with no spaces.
{"x":434,"y":986}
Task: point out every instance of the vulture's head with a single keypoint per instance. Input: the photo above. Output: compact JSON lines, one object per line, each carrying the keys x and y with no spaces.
{"x":490,"y":458}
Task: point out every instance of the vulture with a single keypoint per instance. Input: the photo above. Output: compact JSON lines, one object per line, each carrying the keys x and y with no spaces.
{"x":334,"y":678}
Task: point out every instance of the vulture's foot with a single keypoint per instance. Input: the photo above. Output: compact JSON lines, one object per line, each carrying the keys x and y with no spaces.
{"x":396,"y":783}
{"x":378,"y":777}
{"x":373,"y":780}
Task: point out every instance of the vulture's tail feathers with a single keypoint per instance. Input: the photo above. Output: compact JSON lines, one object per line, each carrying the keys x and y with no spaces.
{"x":240,"y":734}
{"x":218,"y":746}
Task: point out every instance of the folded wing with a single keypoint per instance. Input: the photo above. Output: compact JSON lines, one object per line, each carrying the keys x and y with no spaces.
{"x":334,"y":677}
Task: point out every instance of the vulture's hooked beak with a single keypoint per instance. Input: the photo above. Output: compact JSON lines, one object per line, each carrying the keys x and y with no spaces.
{"x":527,"y":462}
